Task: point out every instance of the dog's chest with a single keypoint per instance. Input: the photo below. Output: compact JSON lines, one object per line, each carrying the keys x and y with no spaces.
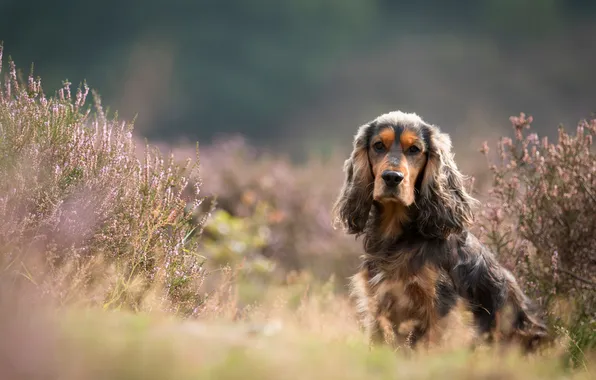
{"x":406,"y":295}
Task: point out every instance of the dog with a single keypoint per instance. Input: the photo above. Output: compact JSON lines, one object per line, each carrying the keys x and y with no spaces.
{"x":424,"y":279}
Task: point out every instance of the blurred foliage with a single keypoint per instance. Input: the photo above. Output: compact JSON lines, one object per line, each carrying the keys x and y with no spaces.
{"x":238,"y":54}
{"x":290,"y":202}
{"x":238,"y":65}
{"x":230,"y":241}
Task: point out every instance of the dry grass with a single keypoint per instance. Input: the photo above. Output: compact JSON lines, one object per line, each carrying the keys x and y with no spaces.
{"x":316,"y":339}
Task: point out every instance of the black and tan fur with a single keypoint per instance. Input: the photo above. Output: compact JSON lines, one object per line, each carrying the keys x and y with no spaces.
{"x":425,"y":279}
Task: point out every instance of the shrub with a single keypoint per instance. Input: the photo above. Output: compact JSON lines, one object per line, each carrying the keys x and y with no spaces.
{"x":81,"y":214}
{"x":541,"y":220}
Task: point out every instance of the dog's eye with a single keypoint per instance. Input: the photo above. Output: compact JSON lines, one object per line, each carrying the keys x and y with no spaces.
{"x":413,"y":149}
{"x":379,"y":146}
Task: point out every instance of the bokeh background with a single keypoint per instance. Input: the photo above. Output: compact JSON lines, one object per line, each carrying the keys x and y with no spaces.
{"x":299,"y":76}
{"x":274,"y":90}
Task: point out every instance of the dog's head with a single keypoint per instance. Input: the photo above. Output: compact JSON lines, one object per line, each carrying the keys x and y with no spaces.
{"x":398,"y":159}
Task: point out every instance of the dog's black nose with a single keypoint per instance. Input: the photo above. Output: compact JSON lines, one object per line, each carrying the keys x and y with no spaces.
{"x":392,"y":178}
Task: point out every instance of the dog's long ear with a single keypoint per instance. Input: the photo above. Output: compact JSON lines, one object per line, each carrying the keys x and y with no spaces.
{"x":444,"y":205}
{"x":353,"y":204}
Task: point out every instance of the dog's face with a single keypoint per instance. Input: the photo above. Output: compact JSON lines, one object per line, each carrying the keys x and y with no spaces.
{"x":397,"y":156}
{"x":399,"y":159}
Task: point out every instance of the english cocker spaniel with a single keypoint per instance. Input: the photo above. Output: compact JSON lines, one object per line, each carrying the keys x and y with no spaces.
{"x":424,"y":279}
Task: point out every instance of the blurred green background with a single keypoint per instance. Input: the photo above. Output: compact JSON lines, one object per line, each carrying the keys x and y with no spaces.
{"x":300,"y":76}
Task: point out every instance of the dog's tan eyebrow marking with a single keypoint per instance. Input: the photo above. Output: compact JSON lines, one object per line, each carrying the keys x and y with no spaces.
{"x":387,"y":134}
{"x":408,"y":138}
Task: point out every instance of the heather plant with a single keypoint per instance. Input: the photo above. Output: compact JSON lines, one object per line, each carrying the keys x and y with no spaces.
{"x":541,"y":221}
{"x":82,"y":216}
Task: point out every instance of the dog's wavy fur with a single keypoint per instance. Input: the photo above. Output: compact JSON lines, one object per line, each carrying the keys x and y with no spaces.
{"x":425,"y":279}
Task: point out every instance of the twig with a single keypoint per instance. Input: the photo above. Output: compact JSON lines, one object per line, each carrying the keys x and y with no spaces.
{"x":581,"y":279}
{"x":583,"y":185}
